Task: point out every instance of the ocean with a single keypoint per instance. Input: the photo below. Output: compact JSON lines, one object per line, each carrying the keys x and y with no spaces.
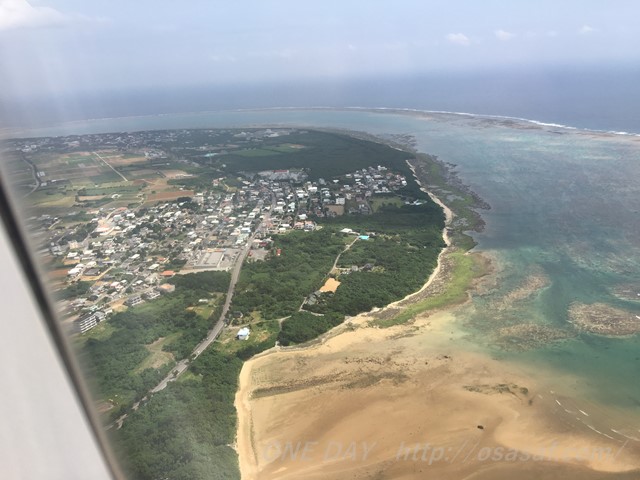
{"x":598,"y":97}
{"x":563,"y":231}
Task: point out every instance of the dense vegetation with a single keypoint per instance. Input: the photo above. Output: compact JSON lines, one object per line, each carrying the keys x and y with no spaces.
{"x":390,"y":265}
{"x":326,"y":155}
{"x":73,"y":291}
{"x":398,"y":270}
{"x":111,"y":362}
{"x":399,"y":258}
{"x":202,"y":283}
{"x":417,"y":225}
{"x":277,"y":287}
{"x":184,"y":431}
{"x":304,"y":326}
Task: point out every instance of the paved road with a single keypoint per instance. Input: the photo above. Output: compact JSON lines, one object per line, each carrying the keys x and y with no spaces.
{"x":34,"y":172}
{"x":182,"y":365}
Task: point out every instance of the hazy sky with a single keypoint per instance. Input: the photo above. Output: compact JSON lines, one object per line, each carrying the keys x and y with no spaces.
{"x":48,"y":46}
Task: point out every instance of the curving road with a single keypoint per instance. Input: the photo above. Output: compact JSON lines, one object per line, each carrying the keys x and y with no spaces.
{"x":182,"y":365}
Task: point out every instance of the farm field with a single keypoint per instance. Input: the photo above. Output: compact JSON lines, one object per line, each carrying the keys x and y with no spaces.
{"x":71,"y":182}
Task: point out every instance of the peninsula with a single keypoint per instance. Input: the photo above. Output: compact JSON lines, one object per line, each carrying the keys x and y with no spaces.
{"x":147,"y":234}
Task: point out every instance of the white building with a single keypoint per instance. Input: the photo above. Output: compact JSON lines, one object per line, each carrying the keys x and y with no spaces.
{"x":243,"y":333}
{"x":86,"y":323}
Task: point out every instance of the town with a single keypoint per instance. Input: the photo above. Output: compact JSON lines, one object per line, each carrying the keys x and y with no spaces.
{"x":122,"y":256}
{"x":175,"y":256}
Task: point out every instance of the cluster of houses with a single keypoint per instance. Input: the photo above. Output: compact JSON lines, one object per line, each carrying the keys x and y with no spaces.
{"x":127,"y":254}
{"x":297,"y":200}
{"x":130,"y":253}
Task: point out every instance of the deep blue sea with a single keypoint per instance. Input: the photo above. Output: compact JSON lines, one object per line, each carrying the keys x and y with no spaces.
{"x":597,"y":97}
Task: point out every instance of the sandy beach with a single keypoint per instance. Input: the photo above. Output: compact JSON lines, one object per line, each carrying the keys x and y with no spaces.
{"x":401,"y":402}
{"x":414,"y":401}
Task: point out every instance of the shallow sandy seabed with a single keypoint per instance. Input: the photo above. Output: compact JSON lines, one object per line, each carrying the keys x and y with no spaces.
{"x":418,"y":401}
{"x":406,"y":402}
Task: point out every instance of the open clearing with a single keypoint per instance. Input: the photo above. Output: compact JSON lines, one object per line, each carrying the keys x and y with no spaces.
{"x":378,"y":201}
{"x":158,"y":357}
{"x":331,"y":285}
{"x":171,"y":195}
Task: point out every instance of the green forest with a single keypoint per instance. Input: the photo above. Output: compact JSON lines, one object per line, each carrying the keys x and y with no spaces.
{"x":202,"y":283}
{"x":110,"y":363}
{"x":277,"y":287}
{"x":399,"y":257}
{"x":304,"y":326}
{"x":184,"y":431}
{"x":323,"y":156}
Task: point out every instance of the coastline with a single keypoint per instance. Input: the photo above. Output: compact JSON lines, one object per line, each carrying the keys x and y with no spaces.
{"x":437,"y":271}
{"x":101,"y":124}
{"x":410,"y":382}
{"x":403,"y":387}
{"x":245,"y":446}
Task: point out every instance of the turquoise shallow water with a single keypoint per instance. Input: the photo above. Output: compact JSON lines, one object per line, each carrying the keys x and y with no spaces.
{"x":564,"y":226}
{"x":565,"y":208}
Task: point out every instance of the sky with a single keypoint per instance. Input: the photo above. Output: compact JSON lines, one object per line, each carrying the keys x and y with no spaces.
{"x":52,"y":47}
{"x":55,"y":45}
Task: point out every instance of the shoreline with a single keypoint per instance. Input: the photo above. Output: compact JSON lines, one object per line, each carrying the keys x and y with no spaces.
{"x":345,"y":392}
{"x":68,"y":125}
{"x":345,"y":386}
{"x":449,"y":216}
{"x":245,"y":447}
{"x":244,"y":436}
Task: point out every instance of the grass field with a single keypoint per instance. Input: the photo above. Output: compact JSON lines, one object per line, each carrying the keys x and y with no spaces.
{"x":465,"y":269}
{"x":111,"y":188}
{"x":379,"y":200}
{"x":268,"y":151}
{"x":262,"y":331}
{"x":105,"y":177}
{"x":102,"y":331}
{"x":123,"y":160}
{"x":75,"y":159}
{"x":142,"y":174}
{"x":207,"y":309}
{"x":170,"y":195}
{"x":51,"y":199}
{"x":158,"y":357}
{"x":287,"y":148}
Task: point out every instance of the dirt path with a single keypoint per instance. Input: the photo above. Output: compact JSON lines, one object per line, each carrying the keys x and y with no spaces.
{"x":110,"y":166}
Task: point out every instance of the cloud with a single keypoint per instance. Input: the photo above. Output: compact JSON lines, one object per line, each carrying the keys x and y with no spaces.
{"x":503,"y":35}
{"x":15,"y":14}
{"x":586,"y":30}
{"x":459,"y":39}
